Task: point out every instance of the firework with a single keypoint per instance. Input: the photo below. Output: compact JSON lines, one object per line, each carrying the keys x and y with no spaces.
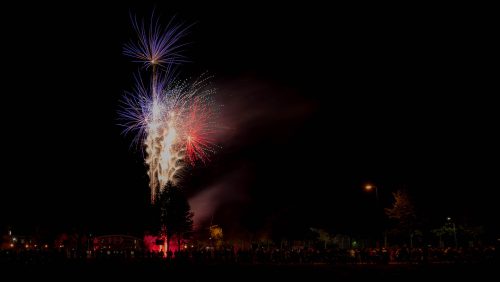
{"x":199,"y":130}
{"x":156,"y":45}
{"x":172,"y":119}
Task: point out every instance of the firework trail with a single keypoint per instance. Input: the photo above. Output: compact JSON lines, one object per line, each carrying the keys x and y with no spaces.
{"x":172,"y":119}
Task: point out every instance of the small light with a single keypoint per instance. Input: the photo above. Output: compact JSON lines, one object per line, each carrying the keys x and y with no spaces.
{"x":27,"y":246}
{"x":12,"y":245}
{"x":46,"y":246}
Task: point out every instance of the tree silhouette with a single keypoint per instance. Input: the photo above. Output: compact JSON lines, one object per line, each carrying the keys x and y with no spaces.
{"x":403,"y":212}
{"x":175,"y":214}
{"x":445,"y":230}
{"x":216,"y":235}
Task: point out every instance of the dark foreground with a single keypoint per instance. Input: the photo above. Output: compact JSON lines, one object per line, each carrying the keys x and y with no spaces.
{"x":79,"y":271}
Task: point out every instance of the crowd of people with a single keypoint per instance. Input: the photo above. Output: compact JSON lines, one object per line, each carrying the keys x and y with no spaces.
{"x":264,"y":255}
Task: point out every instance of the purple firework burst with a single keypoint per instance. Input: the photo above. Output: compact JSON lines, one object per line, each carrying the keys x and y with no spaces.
{"x":156,"y":45}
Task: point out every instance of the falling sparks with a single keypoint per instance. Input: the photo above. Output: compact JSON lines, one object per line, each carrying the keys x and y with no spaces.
{"x":172,"y":119}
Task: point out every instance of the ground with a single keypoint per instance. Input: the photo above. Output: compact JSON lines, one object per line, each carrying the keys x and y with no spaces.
{"x":307,"y":272}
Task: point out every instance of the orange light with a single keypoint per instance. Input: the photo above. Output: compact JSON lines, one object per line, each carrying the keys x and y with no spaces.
{"x":12,"y":245}
{"x":368,"y":187}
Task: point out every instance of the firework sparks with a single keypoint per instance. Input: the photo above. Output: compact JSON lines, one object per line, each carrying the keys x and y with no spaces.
{"x":172,"y":119}
{"x":199,"y":130}
{"x":156,"y":45}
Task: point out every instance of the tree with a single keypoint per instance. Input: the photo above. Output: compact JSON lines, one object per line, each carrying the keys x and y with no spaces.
{"x":403,"y":212}
{"x":216,"y":235}
{"x":445,"y":230}
{"x":322,"y":236}
{"x":450,"y":231}
{"x":175,"y":214}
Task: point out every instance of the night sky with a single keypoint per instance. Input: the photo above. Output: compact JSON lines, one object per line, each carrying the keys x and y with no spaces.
{"x":316,"y":102}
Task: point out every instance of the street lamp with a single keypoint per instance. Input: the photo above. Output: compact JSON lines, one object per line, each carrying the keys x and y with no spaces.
{"x":454,"y":231}
{"x":369,"y":187}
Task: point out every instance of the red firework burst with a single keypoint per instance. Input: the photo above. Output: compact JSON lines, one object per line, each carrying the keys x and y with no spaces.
{"x":199,"y":131}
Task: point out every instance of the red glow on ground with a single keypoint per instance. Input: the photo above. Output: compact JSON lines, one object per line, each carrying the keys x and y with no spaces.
{"x":150,"y":244}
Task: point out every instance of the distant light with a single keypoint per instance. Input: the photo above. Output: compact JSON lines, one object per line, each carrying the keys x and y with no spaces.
{"x":448,"y":218}
{"x":185,"y":246}
{"x":12,"y":245}
{"x":10,"y":232}
{"x":368,"y":187}
{"x":46,"y":246}
{"x":27,"y":246}
{"x":193,"y":246}
{"x":14,"y":239}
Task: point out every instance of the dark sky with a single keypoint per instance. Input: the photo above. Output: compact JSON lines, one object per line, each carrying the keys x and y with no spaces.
{"x":317,"y":101}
